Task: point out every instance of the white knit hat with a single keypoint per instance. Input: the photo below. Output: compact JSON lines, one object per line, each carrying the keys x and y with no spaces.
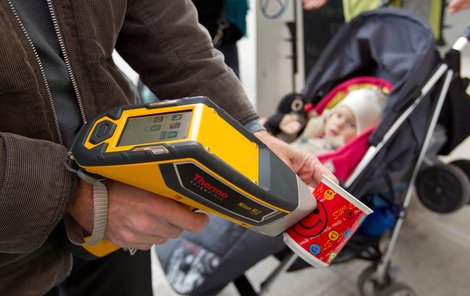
{"x":367,"y":105}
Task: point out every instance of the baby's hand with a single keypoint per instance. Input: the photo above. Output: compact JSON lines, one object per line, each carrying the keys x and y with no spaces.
{"x":290,"y":124}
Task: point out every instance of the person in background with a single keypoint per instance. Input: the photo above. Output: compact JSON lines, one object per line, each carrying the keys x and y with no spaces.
{"x":57,"y":71}
{"x":454,"y":5}
{"x":226,"y":22}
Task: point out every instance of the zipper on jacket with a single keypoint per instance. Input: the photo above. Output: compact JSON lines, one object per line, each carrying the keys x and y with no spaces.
{"x":66,"y":60}
{"x":41,"y":70}
{"x":41,"y":67}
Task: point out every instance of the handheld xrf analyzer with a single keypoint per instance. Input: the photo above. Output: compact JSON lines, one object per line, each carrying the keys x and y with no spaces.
{"x":192,"y":151}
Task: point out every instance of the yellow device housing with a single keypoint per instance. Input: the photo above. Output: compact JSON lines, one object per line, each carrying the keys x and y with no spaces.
{"x":192,"y":151}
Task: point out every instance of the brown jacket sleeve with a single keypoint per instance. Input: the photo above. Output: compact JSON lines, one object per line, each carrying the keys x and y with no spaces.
{"x":35,"y":188}
{"x":175,"y":57}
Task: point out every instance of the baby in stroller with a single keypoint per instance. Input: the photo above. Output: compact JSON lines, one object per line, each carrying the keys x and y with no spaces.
{"x":359,"y":111}
{"x":337,"y":128}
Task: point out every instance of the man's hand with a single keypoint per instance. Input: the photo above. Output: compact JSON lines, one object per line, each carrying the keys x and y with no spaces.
{"x":136,"y":218}
{"x":458,"y":5}
{"x":313,"y":4}
{"x":304,"y":164}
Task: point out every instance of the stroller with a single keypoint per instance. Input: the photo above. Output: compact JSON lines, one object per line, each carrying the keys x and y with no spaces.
{"x":390,"y":45}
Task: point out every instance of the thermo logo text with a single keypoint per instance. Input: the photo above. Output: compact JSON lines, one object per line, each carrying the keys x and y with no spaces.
{"x":208,"y":186}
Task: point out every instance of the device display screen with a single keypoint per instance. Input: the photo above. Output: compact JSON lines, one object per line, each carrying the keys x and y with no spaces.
{"x":155,"y":128}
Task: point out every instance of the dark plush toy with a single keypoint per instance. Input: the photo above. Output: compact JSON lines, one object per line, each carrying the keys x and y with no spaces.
{"x":288,"y":127}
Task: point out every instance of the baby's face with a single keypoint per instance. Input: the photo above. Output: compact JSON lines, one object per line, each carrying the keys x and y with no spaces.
{"x":341,"y":122}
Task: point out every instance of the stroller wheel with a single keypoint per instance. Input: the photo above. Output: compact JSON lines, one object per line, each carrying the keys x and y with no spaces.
{"x":464,"y":165}
{"x":367,"y":282}
{"x":443,"y":188}
{"x":396,"y":289}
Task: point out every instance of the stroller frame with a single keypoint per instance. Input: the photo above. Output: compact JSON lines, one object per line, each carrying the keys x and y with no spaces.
{"x":380,"y":276}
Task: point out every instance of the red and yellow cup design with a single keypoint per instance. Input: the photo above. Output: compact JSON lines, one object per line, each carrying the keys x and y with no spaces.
{"x":321,"y":235}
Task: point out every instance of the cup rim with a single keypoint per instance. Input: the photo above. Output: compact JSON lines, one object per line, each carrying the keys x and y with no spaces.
{"x":348,"y":196}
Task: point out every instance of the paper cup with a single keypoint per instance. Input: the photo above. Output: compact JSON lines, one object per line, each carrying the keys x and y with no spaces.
{"x":321,"y":235}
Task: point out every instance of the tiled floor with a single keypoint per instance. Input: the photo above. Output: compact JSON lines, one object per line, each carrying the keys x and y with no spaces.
{"x":432,"y":254}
